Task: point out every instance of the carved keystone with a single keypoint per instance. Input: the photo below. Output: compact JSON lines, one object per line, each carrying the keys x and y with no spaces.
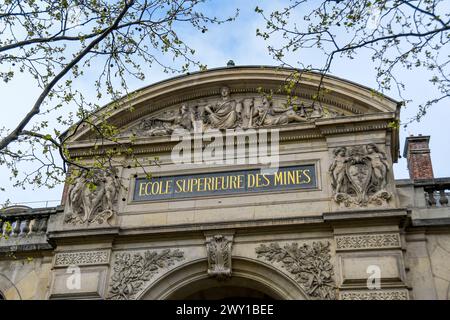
{"x":218,"y":250}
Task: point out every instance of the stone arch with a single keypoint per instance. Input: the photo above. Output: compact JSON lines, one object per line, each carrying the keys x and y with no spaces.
{"x":249,"y":275}
{"x":7,"y":286}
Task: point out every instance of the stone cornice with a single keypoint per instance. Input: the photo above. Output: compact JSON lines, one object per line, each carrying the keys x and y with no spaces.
{"x":289,"y":133}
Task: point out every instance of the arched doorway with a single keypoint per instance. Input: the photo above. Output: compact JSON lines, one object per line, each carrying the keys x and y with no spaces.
{"x":8,"y":287}
{"x":250,"y":279}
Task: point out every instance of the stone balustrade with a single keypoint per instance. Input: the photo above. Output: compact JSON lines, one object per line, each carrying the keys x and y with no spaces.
{"x":20,"y":226}
{"x":437,"y":198}
{"x":437,"y":192}
{"x":24,"y":227}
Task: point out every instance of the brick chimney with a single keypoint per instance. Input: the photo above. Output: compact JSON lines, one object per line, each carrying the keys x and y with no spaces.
{"x":417,"y":154}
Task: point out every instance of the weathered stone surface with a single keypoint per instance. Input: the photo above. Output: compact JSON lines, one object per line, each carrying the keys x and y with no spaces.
{"x":63,"y":259}
{"x":286,"y":244}
{"x":367,"y":241}
{"x":375,"y":295}
{"x":133,"y":270}
{"x":309,"y":264}
{"x":359,"y":175}
{"x":218,"y":249}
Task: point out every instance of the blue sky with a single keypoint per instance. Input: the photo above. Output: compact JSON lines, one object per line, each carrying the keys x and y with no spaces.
{"x":237,"y":41}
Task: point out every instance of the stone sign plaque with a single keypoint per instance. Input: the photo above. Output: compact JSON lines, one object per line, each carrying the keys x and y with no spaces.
{"x":223,"y":183}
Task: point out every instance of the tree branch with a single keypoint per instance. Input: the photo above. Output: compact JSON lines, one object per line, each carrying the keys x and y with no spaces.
{"x":36,"y":107}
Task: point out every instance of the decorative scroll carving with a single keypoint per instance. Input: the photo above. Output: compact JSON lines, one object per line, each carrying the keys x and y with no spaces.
{"x":228,"y":112}
{"x":310,"y":265}
{"x":63,"y":259}
{"x":92,"y":197}
{"x":359,"y":176}
{"x":132,"y":271}
{"x":218,"y":249}
{"x":368,"y":241}
{"x":374,"y":295}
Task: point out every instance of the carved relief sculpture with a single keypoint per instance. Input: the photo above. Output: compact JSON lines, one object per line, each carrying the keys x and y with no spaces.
{"x":133,"y":270}
{"x":224,"y":114}
{"x":92,"y":197}
{"x":375,"y":295}
{"x":63,"y":259}
{"x":309,"y":264}
{"x":359,"y":175}
{"x":268,"y":115}
{"x":228,"y":113}
{"x":218,"y":249}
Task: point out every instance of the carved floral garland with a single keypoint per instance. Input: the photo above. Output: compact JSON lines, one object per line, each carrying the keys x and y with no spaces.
{"x":310,"y":265}
{"x":132,"y":271}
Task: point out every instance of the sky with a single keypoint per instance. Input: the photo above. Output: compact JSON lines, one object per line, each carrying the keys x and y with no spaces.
{"x":237,"y":41}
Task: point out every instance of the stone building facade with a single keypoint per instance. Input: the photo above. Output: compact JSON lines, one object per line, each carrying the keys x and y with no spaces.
{"x":329,"y":222}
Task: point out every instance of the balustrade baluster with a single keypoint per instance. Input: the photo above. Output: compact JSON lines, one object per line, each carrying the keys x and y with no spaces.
{"x":431,"y":199}
{"x":26,"y":227}
{"x":443,"y":200}
{"x":16,"y":228}
{"x":35,"y":225}
{"x":43,"y":224}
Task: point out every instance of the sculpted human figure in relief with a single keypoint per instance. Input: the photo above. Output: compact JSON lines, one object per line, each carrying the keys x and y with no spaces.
{"x":168,"y":123}
{"x":359,"y":175}
{"x":379,"y":164}
{"x":91,"y":199}
{"x":224,"y":114}
{"x":270,"y":115}
{"x":337,"y":168}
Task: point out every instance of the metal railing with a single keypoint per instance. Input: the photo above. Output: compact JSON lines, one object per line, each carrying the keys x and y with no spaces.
{"x":38,"y":204}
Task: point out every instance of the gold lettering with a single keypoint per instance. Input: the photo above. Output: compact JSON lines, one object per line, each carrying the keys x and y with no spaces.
{"x":267,"y":180}
{"x":168,"y":186}
{"x":141,"y":189}
{"x":306,"y":173}
{"x":250,"y":180}
{"x":299,"y":176}
{"x":224,"y":186}
{"x":233,"y":182}
{"x":178,"y":186}
{"x":240,"y":181}
{"x":155,"y":188}
{"x":208,"y":184}
{"x":216,"y":183}
{"x":291,"y":177}
{"x":279,"y":178}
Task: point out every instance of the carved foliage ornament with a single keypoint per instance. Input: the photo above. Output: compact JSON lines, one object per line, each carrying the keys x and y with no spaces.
{"x":309,"y":264}
{"x":228,"y":113}
{"x":368,"y":241}
{"x":92,"y":197}
{"x":375,"y":295}
{"x":133,"y":270}
{"x":81,"y":258}
{"x":359,"y":176}
{"x":218,"y":249}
